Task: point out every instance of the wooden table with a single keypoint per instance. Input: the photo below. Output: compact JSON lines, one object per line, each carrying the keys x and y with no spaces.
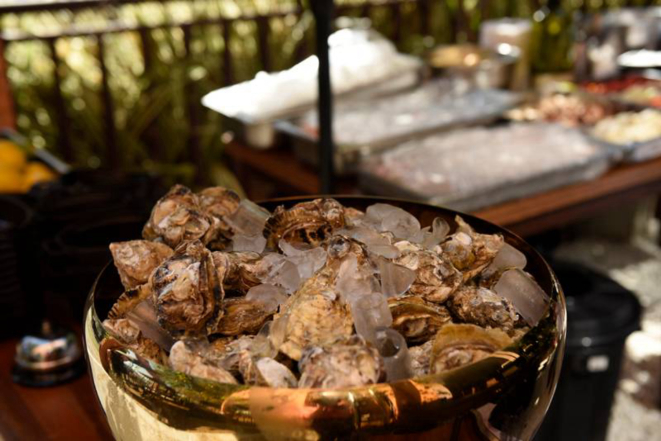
{"x":526,"y":216}
{"x":68,"y":413}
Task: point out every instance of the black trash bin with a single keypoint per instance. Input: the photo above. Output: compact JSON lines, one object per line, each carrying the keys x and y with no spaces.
{"x":600,"y":316}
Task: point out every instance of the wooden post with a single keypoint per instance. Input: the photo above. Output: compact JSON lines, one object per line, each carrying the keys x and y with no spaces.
{"x":7,"y":111}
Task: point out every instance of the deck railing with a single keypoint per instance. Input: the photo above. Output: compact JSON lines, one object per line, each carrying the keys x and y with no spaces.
{"x":398,"y":19}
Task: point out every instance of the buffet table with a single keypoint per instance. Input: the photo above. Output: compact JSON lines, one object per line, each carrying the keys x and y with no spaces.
{"x":526,"y":216}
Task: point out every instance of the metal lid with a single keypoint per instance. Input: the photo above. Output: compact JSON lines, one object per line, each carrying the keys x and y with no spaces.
{"x":52,"y":348}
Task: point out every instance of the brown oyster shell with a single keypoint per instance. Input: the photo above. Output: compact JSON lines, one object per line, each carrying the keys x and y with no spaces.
{"x":416,"y":319}
{"x":187,"y":293}
{"x":238,"y":271}
{"x":129,"y":300}
{"x":420,"y":358}
{"x":483,"y":307}
{"x":308,"y":222}
{"x":184,"y":358}
{"x":242,"y":316}
{"x":346,"y":362}
{"x":468,"y":251}
{"x":129,"y":334}
{"x":316,"y":315}
{"x":219,"y":203}
{"x":457,"y":345}
{"x":178,"y":217}
{"x":436,"y":278}
{"x":135,"y":260}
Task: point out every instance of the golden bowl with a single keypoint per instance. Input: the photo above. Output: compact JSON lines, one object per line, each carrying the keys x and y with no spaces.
{"x":504,"y":396}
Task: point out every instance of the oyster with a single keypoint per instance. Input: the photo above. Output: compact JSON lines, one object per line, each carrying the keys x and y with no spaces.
{"x":185,"y":358}
{"x":346,"y":362}
{"x":316,"y":315}
{"x":129,"y":300}
{"x":458,"y":345}
{"x":242,"y":316}
{"x":187,"y":292}
{"x":129,"y":334}
{"x":135,"y":260}
{"x":483,"y":307}
{"x":468,"y":251}
{"x":416,"y":319}
{"x":308,"y":222}
{"x":237,"y":271}
{"x":178,"y":217}
{"x":436,"y":279}
{"x":230,"y":354}
{"x":420,"y":358}
{"x":353,"y":216}
{"x":220,"y":203}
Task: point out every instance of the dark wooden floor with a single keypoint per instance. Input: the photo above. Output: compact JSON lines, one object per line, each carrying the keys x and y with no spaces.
{"x":69,"y":412}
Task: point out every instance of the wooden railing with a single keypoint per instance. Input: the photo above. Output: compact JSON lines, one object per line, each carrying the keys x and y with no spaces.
{"x":400,"y":14}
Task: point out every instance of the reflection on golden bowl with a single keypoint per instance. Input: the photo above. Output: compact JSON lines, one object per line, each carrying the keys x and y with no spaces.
{"x":503,"y":396}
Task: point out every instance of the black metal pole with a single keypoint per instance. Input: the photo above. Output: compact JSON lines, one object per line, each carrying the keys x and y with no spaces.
{"x":323,"y":12}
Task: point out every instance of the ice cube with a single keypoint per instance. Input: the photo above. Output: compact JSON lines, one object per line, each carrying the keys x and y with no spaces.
{"x":241,"y":242}
{"x":270,"y":296}
{"x":526,"y":295}
{"x":279,"y":270}
{"x":387,"y":251}
{"x":307,"y":261}
{"x":386,"y":217}
{"x":354,"y":281}
{"x":440,"y":230}
{"x":369,"y":312}
{"x":396,"y":358}
{"x":278,"y":329}
{"x":395,"y":279}
{"x":248,"y":219}
{"x":507,"y":258}
{"x":261,"y":345}
{"x":143,"y":316}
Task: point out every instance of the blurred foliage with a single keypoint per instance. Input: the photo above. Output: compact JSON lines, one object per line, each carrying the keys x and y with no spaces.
{"x":161,"y":125}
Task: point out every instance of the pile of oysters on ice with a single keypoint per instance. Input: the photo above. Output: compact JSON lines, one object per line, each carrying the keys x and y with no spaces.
{"x":318,"y":295}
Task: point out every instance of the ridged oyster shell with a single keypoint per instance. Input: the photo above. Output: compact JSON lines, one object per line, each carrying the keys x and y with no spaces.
{"x":187,"y":293}
{"x":468,"y":251}
{"x":135,"y":260}
{"x":129,"y":334}
{"x":483,"y":307}
{"x":436,"y":278}
{"x":308,"y":222}
{"x":345,"y":362}
{"x":457,"y":345}
{"x":416,"y":319}
{"x":184,"y":358}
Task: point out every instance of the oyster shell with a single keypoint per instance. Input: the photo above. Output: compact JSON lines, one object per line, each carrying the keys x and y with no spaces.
{"x":468,"y":251}
{"x":129,"y":334}
{"x":345,"y":362}
{"x":135,"y":260}
{"x":129,"y":300}
{"x":308,"y":222}
{"x":185,"y":358}
{"x":416,"y":319}
{"x":316,"y":315}
{"x":483,"y":307}
{"x":436,"y":278}
{"x":237,"y":271}
{"x":220,"y":203}
{"x":420,"y":358}
{"x":242,"y":316}
{"x":458,"y":345}
{"x":187,"y":293}
{"x":178,"y":217}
